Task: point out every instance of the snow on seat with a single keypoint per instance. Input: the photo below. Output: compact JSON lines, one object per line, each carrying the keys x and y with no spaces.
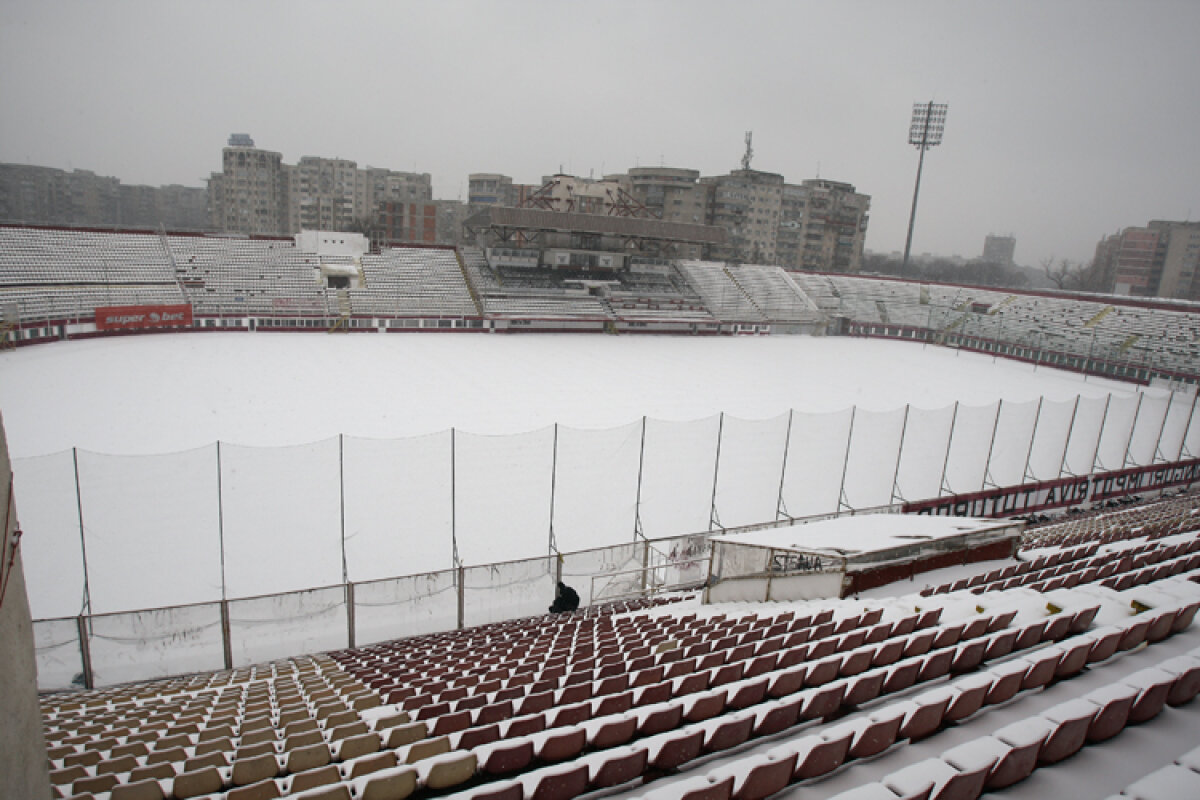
{"x":1105,"y":644}
{"x":728,"y":731}
{"x":614,"y":767}
{"x":1153,"y":685}
{"x":1171,"y":782}
{"x":824,"y":701}
{"x":559,"y":782}
{"x":1074,"y":655}
{"x":700,"y":787}
{"x":948,"y":783}
{"x":757,"y":777}
{"x":923,"y":714}
{"x":658,"y":718}
{"x":1186,"y":669}
{"x":1115,"y":702}
{"x":816,"y":755}
{"x":878,"y":791}
{"x":1016,"y":747}
{"x":864,"y":688}
{"x":1190,"y":759}
{"x":1072,"y":720}
{"x":668,"y":751}
{"x":968,"y":696}
{"x":876,"y":732}
{"x":777,"y":715}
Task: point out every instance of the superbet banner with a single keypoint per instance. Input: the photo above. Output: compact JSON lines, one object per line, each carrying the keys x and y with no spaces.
{"x":1062,"y":493}
{"x":123,"y":318}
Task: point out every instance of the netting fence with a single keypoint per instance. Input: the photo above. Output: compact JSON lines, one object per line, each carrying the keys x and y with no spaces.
{"x":226,"y":543}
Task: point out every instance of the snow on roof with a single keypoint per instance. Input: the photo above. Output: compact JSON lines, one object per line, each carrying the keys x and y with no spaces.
{"x":866,"y":533}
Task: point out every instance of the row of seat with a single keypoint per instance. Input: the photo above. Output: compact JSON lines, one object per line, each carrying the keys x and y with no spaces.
{"x":993,"y":762}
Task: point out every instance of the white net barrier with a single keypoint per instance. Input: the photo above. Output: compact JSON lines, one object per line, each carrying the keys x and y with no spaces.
{"x":141,"y":645}
{"x":1085,"y":435}
{"x":677,"y":478}
{"x":752,"y":453}
{"x":58,"y":654}
{"x":409,"y":606}
{"x":1151,"y":418}
{"x":508,"y":590}
{"x":51,"y":552}
{"x":502,"y":491}
{"x":1050,"y":439}
{"x":151,"y":524}
{"x":595,"y":495}
{"x":966,"y":467}
{"x":1191,"y":439}
{"x":1175,"y":428}
{"x":874,"y":445}
{"x":1014,"y":432}
{"x":813,"y":474}
{"x":398,"y":492}
{"x":1118,"y":427}
{"x":679,"y":560}
{"x":282,"y":625}
{"x":607,"y":573}
{"x":281,"y":512}
{"x":924,"y":452}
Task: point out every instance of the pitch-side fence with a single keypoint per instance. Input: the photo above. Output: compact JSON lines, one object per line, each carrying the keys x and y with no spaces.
{"x":224,"y":543}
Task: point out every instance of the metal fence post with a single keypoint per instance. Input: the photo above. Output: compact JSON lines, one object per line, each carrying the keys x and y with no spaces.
{"x":987,"y":464}
{"x":1100,"y":436}
{"x":1037,"y":417}
{"x":713,"y":518}
{"x":780,"y":508}
{"x":899,"y":455}
{"x":1132,"y":430}
{"x":1062,"y":465}
{"x":846,"y":461}
{"x":350,"y":614}
{"x":942,"y":485}
{"x":87,"y":592}
{"x":85,"y":651}
{"x":226,"y":635}
{"x":461,"y":597}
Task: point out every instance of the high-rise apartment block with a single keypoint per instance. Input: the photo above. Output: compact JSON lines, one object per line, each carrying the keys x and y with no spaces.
{"x":257,"y":193}
{"x":48,"y":196}
{"x":1161,"y":259}
{"x":747,"y":203}
{"x":823,"y":226}
{"x":249,"y":194}
{"x":999,"y":249}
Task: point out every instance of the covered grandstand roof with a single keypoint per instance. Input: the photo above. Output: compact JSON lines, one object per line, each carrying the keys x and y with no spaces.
{"x":631,"y":227}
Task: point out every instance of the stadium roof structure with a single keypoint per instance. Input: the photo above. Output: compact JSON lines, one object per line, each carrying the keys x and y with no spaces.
{"x":504,"y":221}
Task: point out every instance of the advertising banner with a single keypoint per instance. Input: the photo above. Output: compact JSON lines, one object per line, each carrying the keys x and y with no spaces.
{"x":124,"y":318}
{"x":1061,"y":493}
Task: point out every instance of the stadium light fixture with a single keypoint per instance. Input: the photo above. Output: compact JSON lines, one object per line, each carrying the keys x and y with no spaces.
{"x":925,"y":131}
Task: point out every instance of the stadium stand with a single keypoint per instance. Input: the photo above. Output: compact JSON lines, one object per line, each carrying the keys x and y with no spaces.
{"x":56,"y":277}
{"x":662,"y":698}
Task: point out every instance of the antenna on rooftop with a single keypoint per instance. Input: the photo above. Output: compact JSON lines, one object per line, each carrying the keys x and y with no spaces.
{"x":749,"y":150}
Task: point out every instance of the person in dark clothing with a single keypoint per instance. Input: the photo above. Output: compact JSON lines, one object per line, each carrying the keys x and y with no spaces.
{"x":565,"y":599}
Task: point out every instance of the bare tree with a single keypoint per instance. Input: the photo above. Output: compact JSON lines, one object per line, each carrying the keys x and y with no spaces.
{"x":1064,"y":275}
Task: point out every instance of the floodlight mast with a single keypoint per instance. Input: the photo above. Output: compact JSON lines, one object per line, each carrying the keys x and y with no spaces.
{"x":928,"y":125}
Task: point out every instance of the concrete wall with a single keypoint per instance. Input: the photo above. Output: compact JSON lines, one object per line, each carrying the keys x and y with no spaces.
{"x":23,"y":769}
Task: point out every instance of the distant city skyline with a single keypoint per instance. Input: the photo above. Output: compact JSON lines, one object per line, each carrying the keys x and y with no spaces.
{"x":1067,"y":121}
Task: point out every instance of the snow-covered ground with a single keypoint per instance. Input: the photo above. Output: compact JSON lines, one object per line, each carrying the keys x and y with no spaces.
{"x":156,"y":394}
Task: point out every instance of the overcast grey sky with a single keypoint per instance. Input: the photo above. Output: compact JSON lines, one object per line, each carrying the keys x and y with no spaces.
{"x":1067,"y":120}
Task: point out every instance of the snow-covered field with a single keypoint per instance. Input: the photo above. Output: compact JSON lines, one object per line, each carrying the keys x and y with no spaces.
{"x":399,"y":491}
{"x":155,"y":394}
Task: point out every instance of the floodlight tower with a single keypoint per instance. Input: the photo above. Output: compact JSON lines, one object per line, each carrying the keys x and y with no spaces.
{"x":928,"y":124}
